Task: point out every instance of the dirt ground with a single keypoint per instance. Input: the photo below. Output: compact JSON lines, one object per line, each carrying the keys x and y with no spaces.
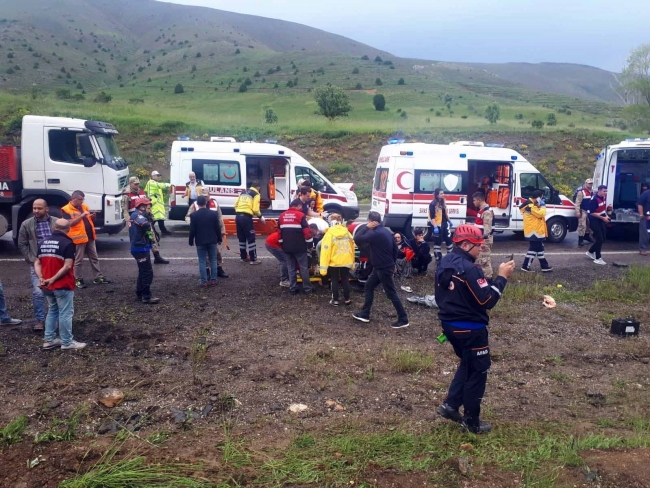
{"x":244,"y":351}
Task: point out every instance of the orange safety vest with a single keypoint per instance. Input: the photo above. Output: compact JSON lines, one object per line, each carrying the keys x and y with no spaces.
{"x":77,"y":232}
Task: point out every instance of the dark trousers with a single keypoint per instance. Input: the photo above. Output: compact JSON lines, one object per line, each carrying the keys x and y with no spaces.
{"x":246,"y":236}
{"x":443,"y":235}
{"x":535,"y":250}
{"x":334,"y":274}
{"x":145,"y":274}
{"x":468,"y":386}
{"x":161,"y":225}
{"x":421,"y":262}
{"x":383,"y":276}
{"x":298,"y":262}
{"x":598,"y":231}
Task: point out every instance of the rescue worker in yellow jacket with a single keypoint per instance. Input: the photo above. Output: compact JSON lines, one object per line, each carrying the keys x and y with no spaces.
{"x":154,"y":190}
{"x":535,"y":230}
{"x":247,"y":206}
{"x":337,"y":258}
{"x":82,"y":233}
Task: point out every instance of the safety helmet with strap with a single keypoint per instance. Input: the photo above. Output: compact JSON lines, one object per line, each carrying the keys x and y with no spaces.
{"x":470,"y":233}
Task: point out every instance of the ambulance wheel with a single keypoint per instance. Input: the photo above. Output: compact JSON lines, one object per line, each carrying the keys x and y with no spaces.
{"x":557,"y":229}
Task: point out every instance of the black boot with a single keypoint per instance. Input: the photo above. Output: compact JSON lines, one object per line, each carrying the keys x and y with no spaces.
{"x":581,"y":241}
{"x":163,"y":230}
{"x":158,"y":259}
{"x":221,"y":273}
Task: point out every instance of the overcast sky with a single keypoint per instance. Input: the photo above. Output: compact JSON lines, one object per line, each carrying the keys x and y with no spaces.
{"x":594,"y":32}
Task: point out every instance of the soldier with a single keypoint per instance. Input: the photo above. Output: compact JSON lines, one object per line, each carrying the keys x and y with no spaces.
{"x":583,"y":195}
{"x":132,"y":193}
{"x":484,"y":217}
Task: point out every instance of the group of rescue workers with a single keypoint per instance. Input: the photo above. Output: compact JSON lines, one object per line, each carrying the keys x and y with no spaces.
{"x":465,"y":286}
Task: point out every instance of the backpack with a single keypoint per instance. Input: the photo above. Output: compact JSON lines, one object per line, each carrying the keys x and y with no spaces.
{"x":575,"y":194}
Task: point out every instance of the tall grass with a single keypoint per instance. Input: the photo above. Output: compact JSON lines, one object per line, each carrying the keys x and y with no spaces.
{"x":13,"y":431}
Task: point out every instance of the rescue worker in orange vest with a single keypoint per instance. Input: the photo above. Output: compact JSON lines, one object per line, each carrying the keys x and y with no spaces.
{"x":82,"y":233}
{"x":132,"y":193}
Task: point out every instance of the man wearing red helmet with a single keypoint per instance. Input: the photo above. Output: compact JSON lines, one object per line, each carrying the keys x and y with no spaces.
{"x":141,"y":237}
{"x":464,"y":295}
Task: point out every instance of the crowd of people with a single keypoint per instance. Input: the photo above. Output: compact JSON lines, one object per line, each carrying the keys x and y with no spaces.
{"x":304,"y":243}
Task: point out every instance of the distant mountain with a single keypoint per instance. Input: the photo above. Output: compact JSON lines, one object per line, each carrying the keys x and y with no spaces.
{"x":97,"y":44}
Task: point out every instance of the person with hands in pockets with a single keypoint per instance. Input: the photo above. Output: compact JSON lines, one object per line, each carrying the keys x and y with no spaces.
{"x":439,"y":223}
{"x":464,"y":295}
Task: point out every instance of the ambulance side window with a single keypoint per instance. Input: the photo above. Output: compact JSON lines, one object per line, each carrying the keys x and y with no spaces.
{"x":317,"y":183}
{"x":529,"y":182}
{"x":426,"y":181}
{"x":214,"y":172}
{"x":381,"y":179}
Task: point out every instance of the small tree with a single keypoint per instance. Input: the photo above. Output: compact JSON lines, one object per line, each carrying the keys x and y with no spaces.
{"x":365,"y":57}
{"x":248,"y":82}
{"x":358,"y":86}
{"x":378,"y":60}
{"x":198,"y":55}
{"x":379,"y":101}
{"x":401,"y":81}
{"x":355,"y":71}
{"x":332,"y":101}
{"x":492,"y":113}
{"x":237,"y":51}
{"x":179,"y":88}
{"x":159,"y":68}
{"x":270,"y":116}
{"x":193,"y":68}
{"x":551,"y":119}
{"x":257,"y":74}
{"x":537,"y":124}
{"x":103,"y":97}
{"x":378,"y":82}
{"x":243,"y":88}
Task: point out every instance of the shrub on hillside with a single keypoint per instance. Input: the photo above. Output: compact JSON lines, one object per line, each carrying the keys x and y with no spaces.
{"x":355,"y":71}
{"x":492,"y":113}
{"x":519,"y":117}
{"x":248,"y":82}
{"x":378,"y":59}
{"x":270,"y":116}
{"x":537,"y":124}
{"x":358,"y":86}
{"x":378,"y":82}
{"x":103,"y":97}
{"x":179,"y":88}
{"x":243,"y":88}
{"x":379,"y":101}
{"x":551,"y":119}
{"x":365,"y":57}
{"x":401,"y":81}
{"x":63,"y":94}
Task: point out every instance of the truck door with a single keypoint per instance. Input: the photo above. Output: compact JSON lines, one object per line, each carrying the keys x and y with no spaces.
{"x":64,"y":169}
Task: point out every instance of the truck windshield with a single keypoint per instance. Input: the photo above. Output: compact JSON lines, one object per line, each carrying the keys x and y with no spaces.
{"x":110,"y":152}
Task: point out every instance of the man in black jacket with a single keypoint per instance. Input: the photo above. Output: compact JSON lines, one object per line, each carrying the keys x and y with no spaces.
{"x":205,"y":230}
{"x":464,"y":295}
{"x":383,"y":253}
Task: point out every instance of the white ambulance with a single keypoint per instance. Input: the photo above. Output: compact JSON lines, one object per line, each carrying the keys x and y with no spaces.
{"x":624,"y":168}
{"x":228,"y":167}
{"x":407,"y":175}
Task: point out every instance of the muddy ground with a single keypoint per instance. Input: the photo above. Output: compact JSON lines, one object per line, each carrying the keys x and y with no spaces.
{"x":230,"y":360}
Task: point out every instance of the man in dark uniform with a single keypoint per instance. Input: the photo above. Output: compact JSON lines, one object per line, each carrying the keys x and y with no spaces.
{"x":141,"y":237}
{"x":464,"y":295}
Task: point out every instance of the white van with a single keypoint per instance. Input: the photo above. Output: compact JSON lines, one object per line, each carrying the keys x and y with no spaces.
{"x":624,"y":168}
{"x":407,"y":175}
{"x":227,"y":167}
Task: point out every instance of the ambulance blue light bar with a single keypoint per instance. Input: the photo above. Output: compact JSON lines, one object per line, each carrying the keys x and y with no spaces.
{"x":514,"y":158}
{"x":271,"y":141}
{"x":396,"y":141}
{"x":638,"y":139}
{"x":463,"y":155}
{"x":184,"y":138}
{"x":406,"y":153}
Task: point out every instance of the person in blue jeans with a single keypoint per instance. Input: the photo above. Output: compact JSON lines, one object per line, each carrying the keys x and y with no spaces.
{"x":383,"y":255}
{"x":205,"y":231}
{"x":54,"y":267}
{"x":5,"y":318}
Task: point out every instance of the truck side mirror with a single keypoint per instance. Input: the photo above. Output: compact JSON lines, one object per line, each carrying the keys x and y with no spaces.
{"x":89,"y":162}
{"x":85,"y":147}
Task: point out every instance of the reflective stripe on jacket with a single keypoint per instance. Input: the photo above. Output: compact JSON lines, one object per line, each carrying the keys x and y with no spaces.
{"x":534,"y":221}
{"x":77,"y":232}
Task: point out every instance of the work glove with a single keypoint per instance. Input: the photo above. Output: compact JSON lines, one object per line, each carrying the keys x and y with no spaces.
{"x":436,"y":230}
{"x":262,"y":220}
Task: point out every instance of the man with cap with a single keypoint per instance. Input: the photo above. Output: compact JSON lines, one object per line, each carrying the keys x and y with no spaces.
{"x":130,"y":195}
{"x":154,"y":190}
{"x":583,"y":196}
{"x":247,"y":206}
{"x":464,"y":295}
{"x":214,"y":206}
{"x":141,"y":238}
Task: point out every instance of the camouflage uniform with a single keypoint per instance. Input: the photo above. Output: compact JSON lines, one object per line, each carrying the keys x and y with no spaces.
{"x":583,"y":221}
{"x":484,"y":259}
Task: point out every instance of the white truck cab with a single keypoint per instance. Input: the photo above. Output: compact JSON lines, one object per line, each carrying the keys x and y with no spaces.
{"x":228,"y":167}
{"x":58,"y":156}
{"x":624,"y":168}
{"x":408,"y":173}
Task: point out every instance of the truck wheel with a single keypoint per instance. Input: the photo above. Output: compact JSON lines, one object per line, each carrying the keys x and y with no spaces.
{"x":557,"y":229}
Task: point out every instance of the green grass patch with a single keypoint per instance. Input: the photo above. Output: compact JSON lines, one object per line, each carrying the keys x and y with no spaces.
{"x":13,"y":431}
{"x":63,"y":430}
{"x":408,"y":361}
